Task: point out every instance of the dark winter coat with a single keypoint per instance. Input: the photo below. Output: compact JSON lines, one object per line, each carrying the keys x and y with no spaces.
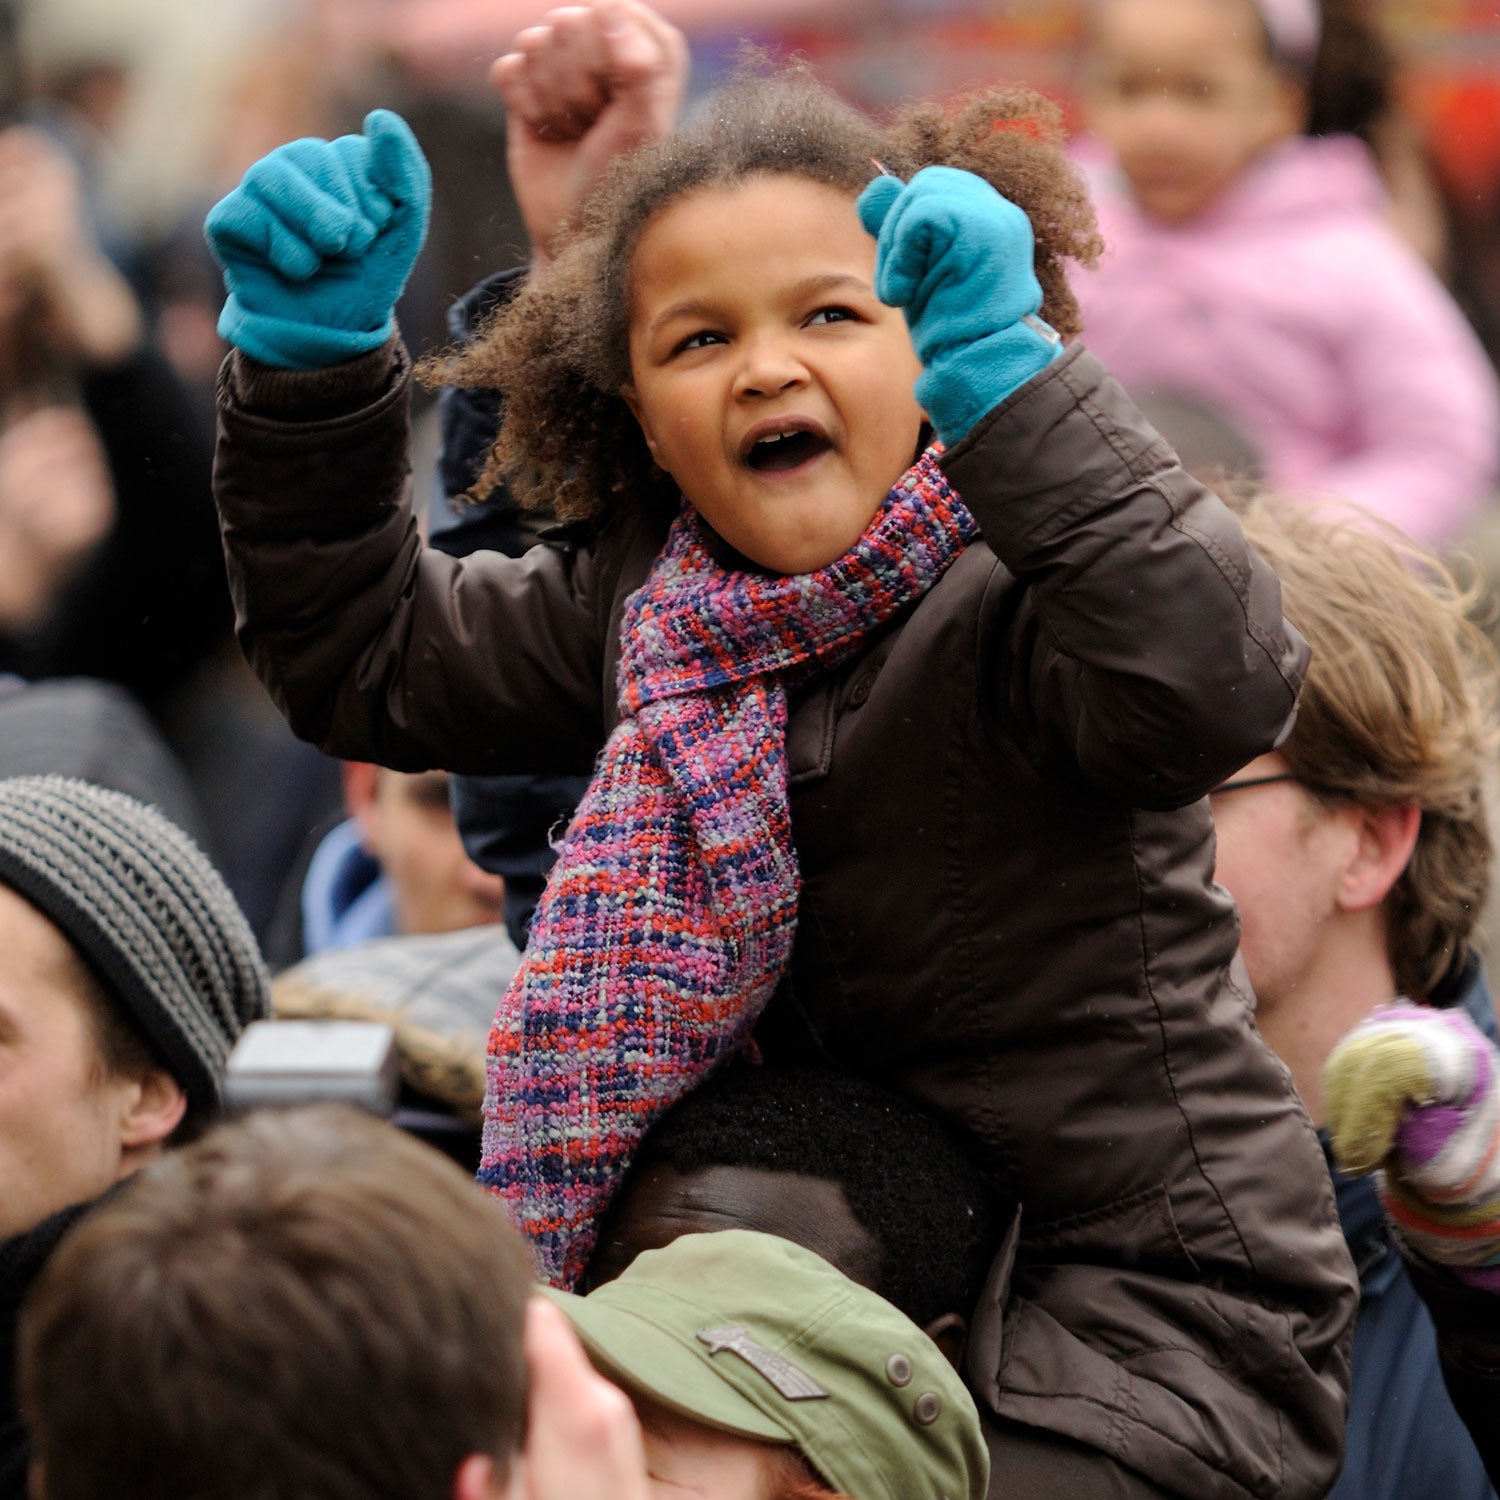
{"x":1007,"y":910}
{"x":23,"y":1258}
{"x":1468,"y":1338}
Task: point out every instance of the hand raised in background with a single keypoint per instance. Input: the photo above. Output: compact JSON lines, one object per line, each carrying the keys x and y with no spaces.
{"x":50,"y":259}
{"x":1415,"y":1092}
{"x":586,"y":84}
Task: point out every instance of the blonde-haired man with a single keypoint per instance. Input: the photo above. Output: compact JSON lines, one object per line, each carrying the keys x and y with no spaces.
{"x":1359,"y":855}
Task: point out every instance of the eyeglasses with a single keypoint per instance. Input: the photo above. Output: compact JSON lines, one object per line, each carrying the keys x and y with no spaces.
{"x":1249,"y":781}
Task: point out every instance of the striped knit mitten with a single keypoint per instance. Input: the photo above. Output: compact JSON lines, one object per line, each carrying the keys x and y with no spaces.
{"x":1414,"y":1091}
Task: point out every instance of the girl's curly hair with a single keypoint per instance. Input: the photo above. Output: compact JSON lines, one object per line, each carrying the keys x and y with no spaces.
{"x":558,"y":354}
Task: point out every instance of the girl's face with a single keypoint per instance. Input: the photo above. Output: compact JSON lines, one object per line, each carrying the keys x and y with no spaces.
{"x":1184,"y":92}
{"x":770,"y":381}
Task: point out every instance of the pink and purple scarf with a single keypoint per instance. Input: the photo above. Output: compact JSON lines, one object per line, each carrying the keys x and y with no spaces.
{"x":669,"y":917}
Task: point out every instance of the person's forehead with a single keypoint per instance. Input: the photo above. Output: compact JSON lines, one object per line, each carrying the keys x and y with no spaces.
{"x":1210,"y":32}
{"x":39,"y":966}
{"x":740,"y":1189}
{"x":28,"y":935}
{"x":774,"y":219}
{"x":413,"y":786}
{"x":662,"y":1202}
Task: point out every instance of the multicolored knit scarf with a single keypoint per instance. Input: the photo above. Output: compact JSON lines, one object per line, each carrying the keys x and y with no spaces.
{"x":669,"y":917}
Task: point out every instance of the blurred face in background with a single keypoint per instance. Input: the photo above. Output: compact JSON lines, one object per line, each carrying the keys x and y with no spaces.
{"x":408,"y":826}
{"x":1186,"y":94}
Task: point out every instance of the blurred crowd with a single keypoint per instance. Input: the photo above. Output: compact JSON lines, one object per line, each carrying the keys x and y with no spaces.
{"x":1288,"y":290}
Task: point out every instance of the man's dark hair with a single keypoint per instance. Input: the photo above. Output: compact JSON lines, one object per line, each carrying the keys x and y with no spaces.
{"x":906,"y":1178}
{"x":303,"y":1304}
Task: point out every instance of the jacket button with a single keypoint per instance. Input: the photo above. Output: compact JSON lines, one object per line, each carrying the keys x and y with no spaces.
{"x":928,"y":1408}
{"x":898,"y":1370}
{"x":861,"y":690}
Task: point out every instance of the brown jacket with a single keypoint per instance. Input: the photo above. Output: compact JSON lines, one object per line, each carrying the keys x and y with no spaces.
{"x":1008,"y":909}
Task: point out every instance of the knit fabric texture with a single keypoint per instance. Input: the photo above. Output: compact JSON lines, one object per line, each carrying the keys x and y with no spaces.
{"x":669,"y":917}
{"x":1413,"y":1090}
{"x":147,"y":910}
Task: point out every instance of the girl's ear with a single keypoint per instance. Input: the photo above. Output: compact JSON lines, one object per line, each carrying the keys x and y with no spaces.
{"x":1288,"y":109}
{"x":633,"y":401}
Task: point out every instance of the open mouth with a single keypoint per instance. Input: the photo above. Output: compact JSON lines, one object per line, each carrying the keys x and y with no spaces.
{"x":778,"y":451}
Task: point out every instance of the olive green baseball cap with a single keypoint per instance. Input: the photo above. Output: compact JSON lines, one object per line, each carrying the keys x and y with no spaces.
{"x":757,"y":1336}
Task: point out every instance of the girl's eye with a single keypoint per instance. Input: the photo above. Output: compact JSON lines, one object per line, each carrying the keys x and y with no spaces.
{"x":699,"y":340}
{"x":832,"y":315}
{"x":1130,"y":86}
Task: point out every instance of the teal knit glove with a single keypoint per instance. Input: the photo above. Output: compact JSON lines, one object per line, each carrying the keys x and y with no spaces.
{"x":317,"y":242}
{"x":957,"y":258}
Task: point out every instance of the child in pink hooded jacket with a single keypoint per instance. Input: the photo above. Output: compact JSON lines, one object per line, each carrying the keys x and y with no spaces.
{"x":1252,"y":270}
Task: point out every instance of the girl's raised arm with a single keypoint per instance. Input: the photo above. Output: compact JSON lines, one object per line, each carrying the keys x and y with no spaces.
{"x":1148,"y":653}
{"x":374,"y":647}
{"x":317,"y":242}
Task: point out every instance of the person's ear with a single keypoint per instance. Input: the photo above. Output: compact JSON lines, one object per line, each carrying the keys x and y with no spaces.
{"x":152,"y":1108}
{"x":475,"y":1480}
{"x":360,"y":784}
{"x":1288,"y":110}
{"x":1384,"y":838}
{"x":633,"y":401}
{"x":951,"y":1334}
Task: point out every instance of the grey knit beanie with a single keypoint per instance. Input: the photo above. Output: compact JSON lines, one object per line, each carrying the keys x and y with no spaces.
{"x":143,"y":904}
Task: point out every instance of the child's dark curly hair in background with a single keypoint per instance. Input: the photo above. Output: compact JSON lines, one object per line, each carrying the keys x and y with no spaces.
{"x":559,"y":353}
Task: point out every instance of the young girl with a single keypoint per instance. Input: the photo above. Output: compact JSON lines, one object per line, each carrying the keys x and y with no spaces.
{"x":1254,"y":268}
{"x":907,"y":746}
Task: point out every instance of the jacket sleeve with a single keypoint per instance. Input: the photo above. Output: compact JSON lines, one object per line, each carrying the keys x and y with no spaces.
{"x":1423,"y":396}
{"x":1145,"y":648}
{"x":374,"y":646}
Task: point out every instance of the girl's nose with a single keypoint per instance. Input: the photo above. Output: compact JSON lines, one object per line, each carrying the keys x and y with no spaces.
{"x":1161,"y":117}
{"x":769,"y":367}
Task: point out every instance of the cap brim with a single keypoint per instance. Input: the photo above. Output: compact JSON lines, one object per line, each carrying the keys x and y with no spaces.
{"x":646,"y":1360}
